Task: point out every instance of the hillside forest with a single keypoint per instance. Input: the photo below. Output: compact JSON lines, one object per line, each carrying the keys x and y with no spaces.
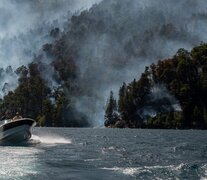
{"x":101,"y":49}
{"x":169,"y":94}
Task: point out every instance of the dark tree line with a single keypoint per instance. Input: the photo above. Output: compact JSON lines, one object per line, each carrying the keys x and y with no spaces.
{"x":185,"y":78}
{"x":184,"y":75}
{"x":34,"y":99}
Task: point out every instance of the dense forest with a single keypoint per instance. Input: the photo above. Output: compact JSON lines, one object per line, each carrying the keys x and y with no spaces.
{"x":143,"y":103}
{"x":33,"y":98}
{"x":67,"y":81}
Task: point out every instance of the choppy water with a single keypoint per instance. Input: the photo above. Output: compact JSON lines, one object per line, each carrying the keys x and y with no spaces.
{"x":97,"y":154}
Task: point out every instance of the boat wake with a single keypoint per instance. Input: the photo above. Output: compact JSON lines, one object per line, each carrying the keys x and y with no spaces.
{"x":50,"y":140}
{"x":34,"y":140}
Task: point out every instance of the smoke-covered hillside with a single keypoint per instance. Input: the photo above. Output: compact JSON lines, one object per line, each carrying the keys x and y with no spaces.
{"x":110,"y":43}
{"x":25,"y":26}
{"x":114,"y":40}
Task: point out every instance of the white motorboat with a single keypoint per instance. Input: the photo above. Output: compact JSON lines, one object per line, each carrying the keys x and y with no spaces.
{"x":16,"y":130}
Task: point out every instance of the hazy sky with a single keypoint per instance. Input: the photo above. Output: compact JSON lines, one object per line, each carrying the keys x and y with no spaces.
{"x":18,"y":16}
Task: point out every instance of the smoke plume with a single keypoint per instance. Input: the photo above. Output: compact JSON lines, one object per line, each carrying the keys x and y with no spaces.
{"x":113,"y":40}
{"x":25,"y":26}
{"x":118,"y":38}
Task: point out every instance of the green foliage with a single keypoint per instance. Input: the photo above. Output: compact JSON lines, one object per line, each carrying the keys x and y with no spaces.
{"x":165,"y":120}
{"x":131,"y":98}
{"x":111,"y":116}
{"x":200,"y":54}
{"x":34,"y":99}
{"x":185,"y":76}
{"x":29,"y":96}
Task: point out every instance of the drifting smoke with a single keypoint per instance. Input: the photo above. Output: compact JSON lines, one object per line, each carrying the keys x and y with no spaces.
{"x":25,"y":26}
{"x":18,"y":17}
{"x":114,"y":40}
{"x":159,"y":101}
{"x":118,"y":38}
{"x":159,"y":92}
{"x":7,"y":75}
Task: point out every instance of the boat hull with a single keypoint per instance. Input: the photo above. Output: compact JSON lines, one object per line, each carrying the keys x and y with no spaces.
{"x":16,"y":131}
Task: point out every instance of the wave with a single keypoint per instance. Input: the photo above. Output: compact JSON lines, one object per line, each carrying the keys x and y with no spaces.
{"x":127,"y":171}
{"x":160,"y":170}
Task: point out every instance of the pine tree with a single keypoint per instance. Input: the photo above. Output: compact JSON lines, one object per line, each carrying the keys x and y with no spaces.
{"x":111,"y":115}
{"x":122,"y":100}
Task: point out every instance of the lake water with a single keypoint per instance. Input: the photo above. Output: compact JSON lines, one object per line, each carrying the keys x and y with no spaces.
{"x":96,"y":154}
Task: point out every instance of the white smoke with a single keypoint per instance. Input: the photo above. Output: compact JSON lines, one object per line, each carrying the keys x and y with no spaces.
{"x":20,"y":16}
{"x":8,"y":81}
{"x":130,"y":35}
{"x":25,"y":26}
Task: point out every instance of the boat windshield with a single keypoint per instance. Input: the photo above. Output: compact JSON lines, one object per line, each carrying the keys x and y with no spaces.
{"x":5,"y":121}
